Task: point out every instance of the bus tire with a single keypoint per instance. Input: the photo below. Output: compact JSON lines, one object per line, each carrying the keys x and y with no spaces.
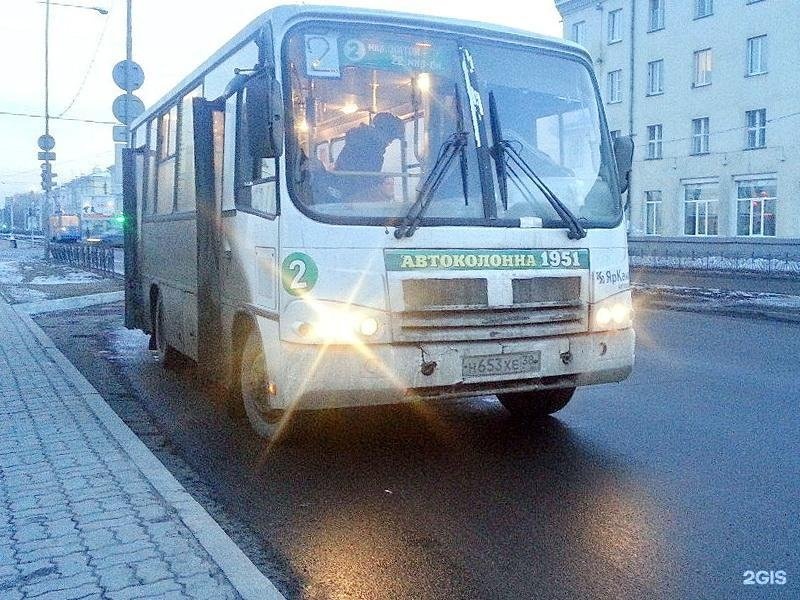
{"x":253,"y":381}
{"x":166,"y":355}
{"x":536,"y":404}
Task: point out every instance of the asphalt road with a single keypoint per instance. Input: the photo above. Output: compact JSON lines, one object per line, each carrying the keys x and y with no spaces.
{"x":669,"y":485}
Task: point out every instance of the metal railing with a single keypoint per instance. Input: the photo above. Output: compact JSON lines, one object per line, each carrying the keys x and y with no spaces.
{"x":781,"y":259}
{"x":87,"y":256}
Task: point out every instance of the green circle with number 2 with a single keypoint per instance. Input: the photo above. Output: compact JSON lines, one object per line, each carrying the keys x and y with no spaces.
{"x":299,"y":273}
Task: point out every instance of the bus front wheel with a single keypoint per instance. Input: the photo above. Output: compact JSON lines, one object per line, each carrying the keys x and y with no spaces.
{"x":536,"y":404}
{"x":254,"y":388}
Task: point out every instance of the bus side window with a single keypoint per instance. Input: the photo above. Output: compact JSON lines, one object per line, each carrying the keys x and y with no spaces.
{"x":167,"y":147}
{"x":186,"y":183}
{"x":149,"y":204}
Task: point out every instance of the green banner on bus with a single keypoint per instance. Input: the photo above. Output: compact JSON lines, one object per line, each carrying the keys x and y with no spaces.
{"x":473,"y":260}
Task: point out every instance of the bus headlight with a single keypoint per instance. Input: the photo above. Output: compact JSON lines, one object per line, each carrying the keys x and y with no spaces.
{"x":328,"y":323}
{"x":613,"y":313}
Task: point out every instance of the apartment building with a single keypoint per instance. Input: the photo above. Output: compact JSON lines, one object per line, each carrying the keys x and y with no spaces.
{"x":710,"y":91}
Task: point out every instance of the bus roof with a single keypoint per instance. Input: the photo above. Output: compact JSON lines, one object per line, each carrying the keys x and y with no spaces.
{"x":282,"y":16}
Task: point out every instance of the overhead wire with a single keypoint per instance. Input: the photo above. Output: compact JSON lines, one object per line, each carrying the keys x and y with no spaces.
{"x":91,"y":64}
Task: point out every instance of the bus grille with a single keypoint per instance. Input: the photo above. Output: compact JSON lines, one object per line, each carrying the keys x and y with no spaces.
{"x":442,"y":310}
{"x":430,"y":294}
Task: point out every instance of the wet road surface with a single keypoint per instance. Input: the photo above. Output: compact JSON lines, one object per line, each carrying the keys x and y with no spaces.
{"x":669,"y":485}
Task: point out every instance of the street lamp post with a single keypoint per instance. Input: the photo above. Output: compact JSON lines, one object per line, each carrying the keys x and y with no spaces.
{"x":46,"y":142}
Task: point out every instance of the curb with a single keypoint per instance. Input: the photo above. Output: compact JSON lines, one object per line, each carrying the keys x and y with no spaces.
{"x":243,"y":575}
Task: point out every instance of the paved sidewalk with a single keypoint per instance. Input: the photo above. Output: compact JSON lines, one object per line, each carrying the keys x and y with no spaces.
{"x":86,"y":511}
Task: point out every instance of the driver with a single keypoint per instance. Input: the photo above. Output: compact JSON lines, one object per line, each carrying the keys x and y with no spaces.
{"x":364,"y":150}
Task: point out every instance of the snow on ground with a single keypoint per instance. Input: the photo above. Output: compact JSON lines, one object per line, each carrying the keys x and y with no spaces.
{"x":18,"y":293}
{"x":65,"y":278}
{"x":718,"y":263}
{"x":9,"y":272}
{"x":717,"y":297}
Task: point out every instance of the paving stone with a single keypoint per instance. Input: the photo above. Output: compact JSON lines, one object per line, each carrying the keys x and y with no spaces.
{"x":88,"y":591}
{"x":58,"y":584}
{"x":122,"y":549}
{"x":120,"y":559}
{"x":49,"y":552}
{"x":201,"y":585}
{"x":117,"y":577}
{"x":98,"y":538}
{"x":150,"y":590}
{"x":72,"y":563}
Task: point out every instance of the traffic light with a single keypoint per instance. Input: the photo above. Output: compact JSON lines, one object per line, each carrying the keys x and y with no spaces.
{"x":48,"y":177}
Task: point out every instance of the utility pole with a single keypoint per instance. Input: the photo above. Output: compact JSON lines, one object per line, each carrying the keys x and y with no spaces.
{"x":128,"y":64}
{"x":47,"y":182}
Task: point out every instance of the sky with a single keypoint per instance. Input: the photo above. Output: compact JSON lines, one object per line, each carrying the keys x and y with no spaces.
{"x":170,"y":39}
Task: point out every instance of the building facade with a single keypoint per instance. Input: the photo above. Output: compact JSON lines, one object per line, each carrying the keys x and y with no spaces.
{"x":90,"y":193}
{"x":709,"y":91}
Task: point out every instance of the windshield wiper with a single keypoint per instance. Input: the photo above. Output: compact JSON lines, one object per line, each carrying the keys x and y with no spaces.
{"x":503,"y":151}
{"x":428,"y":187}
{"x":455,"y":144}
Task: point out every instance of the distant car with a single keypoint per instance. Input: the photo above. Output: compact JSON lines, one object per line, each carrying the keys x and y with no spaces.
{"x":66,"y":235}
{"x":114,"y":239}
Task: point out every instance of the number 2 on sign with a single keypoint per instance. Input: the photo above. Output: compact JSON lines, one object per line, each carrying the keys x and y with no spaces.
{"x":560,"y":258}
{"x":297,"y":282}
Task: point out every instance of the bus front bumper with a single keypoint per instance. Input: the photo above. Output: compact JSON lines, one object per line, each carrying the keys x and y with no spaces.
{"x":339,"y":376}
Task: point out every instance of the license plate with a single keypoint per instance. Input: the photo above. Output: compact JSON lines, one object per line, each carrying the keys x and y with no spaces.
{"x":501,"y":364}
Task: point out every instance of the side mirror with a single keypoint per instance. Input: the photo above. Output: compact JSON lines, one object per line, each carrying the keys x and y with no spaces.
{"x":263,"y":114}
{"x":623,"y":152}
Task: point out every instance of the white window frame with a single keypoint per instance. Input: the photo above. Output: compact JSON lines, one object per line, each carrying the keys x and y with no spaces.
{"x":655,"y":141}
{"x":757,"y":55}
{"x":702,"y":75}
{"x":703,"y":8}
{"x":761,"y":202}
{"x":653,"y":217}
{"x":615,"y":26}
{"x":579,"y":32}
{"x":655,"y":77}
{"x":701,"y":135}
{"x":711,"y":202}
{"x":614,"y":86}
{"x":756,"y":122}
{"x":655,"y":15}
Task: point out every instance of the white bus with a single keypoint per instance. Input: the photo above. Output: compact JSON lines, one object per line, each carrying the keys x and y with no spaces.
{"x":350,"y":207}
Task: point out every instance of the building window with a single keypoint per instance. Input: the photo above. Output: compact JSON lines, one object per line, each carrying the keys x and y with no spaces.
{"x":655,"y":77}
{"x":756,"y":128}
{"x":700,"y":135}
{"x":615,"y":26}
{"x":579,"y":32}
{"x":652,"y":211}
{"x":614,"y":86}
{"x":654,"y":141}
{"x":703,"y":62}
{"x":757,"y":55}
{"x":700,"y":209}
{"x":656,"y":14}
{"x":755,"y":214}
{"x":703,"y":8}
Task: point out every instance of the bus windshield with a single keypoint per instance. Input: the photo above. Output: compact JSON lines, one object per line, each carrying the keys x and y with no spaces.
{"x":372,"y":109}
